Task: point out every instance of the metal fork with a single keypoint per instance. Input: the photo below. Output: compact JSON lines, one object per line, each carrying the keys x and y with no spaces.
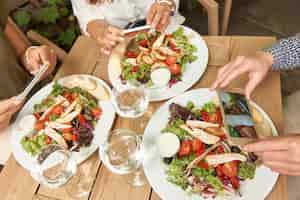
{"x":36,"y":79}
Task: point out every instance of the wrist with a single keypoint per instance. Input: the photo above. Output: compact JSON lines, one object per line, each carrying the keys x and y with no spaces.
{"x":267,"y":58}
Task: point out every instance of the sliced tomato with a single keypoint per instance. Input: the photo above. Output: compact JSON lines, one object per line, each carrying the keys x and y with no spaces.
{"x":68,"y":136}
{"x":216,"y":117}
{"x":66,"y":130}
{"x":205,"y":116}
{"x":198,"y":147}
{"x":81,"y":119}
{"x":175,"y":69}
{"x":131,"y":54}
{"x":202,"y":164}
{"x":220,"y":150}
{"x":96,"y":112}
{"x":39,"y":125}
{"x":58,"y":110}
{"x":185,"y":148}
{"x":219,"y":170}
{"x":135,"y":69}
{"x":74,"y":137}
{"x":171,"y":60}
{"x":143,"y":43}
{"x":212,"y":117}
{"x":230,"y":169}
{"x":235,"y":182}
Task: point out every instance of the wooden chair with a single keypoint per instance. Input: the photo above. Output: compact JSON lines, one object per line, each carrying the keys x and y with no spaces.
{"x":212,"y":9}
{"x":226,"y":16}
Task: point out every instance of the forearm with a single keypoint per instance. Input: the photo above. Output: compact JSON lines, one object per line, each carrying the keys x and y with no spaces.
{"x":286,"y":54}
{"x":18,"y":43}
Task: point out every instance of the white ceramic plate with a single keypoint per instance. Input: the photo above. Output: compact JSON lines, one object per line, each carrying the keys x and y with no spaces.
{"x":102,"y":128}
{"x":256,"y":189}
{"x":191,"y":75}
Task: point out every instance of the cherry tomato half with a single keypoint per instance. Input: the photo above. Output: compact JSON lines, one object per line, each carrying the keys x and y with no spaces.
{"x":175,"y":69}
{"x":131,"y":54}
{"x":185,"y":148}
{"x":171,"y":60}
{"x":230,"y":169}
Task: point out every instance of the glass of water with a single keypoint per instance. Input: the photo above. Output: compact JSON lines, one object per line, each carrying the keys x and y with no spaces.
{"x":57,"y":168}
{"x":130,"y":101}
{"x":122,"y":154}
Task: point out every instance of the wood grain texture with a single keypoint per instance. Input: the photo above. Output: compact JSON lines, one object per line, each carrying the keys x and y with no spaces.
{"x":219,"y":50}
{"x":85,"y":58}
{"x":110,"y":186}
{"x":15,"y":182}
{"x":88,"y":170}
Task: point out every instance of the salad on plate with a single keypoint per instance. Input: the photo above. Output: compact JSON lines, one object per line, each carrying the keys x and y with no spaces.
{"x":156,"y":59}
{"x":67,"y":117}
{"x":197,"y":155}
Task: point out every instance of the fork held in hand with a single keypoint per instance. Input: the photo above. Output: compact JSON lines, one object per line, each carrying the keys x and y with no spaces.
{"x":35,"y":80}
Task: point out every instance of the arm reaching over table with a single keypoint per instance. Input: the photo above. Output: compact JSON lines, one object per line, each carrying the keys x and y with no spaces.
{"x":281,"y":154}
{"x":284,"y":55}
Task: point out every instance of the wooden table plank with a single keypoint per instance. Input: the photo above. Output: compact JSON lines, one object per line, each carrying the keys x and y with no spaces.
{"x":111,"y":186}
{"x":15,"y":182}
{"x":245,"y":45}
{"x":81,"y":59}
{"x":219,"y":50}
{"x":88,"y":170}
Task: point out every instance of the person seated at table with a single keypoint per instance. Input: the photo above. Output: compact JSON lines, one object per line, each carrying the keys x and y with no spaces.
{"x":18,"y":64}
{"x":281,"y":154}
{"x":104,"y":20}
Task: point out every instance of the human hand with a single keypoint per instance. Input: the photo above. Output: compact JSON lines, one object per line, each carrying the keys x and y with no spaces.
{"x":159,"y":16}
{"x":256,"y":66}
{"x":106,"y":35}
{"x":35,"y":57}
{"x":7,"y":109}
{"x":281,"y":154}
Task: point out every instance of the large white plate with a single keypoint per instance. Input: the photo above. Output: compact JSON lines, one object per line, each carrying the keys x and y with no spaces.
{"x":102,"y":128}
{"x":256,"y":189}
{"x":191,"y":75}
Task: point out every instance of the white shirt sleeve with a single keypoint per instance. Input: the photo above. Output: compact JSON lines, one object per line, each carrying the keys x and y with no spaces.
{"x":85,"y":13}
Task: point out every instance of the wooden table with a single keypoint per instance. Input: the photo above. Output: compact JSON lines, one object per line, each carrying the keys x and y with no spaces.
{"x":85,"y":58}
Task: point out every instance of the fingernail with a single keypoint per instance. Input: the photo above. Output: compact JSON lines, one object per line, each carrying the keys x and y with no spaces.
{"x":121,"y":39}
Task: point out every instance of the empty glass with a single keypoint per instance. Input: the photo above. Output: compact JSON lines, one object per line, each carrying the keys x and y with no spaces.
{"x":122,"y":154}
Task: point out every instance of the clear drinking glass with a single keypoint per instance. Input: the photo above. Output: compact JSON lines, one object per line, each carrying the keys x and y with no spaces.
{"x":57,"y":168}
{"x":130,"y":101}
{"x":122,"y":154}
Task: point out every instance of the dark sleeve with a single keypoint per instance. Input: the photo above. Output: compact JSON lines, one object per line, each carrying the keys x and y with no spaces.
{"x":286,"y":53}
{"x":5,"y":7}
